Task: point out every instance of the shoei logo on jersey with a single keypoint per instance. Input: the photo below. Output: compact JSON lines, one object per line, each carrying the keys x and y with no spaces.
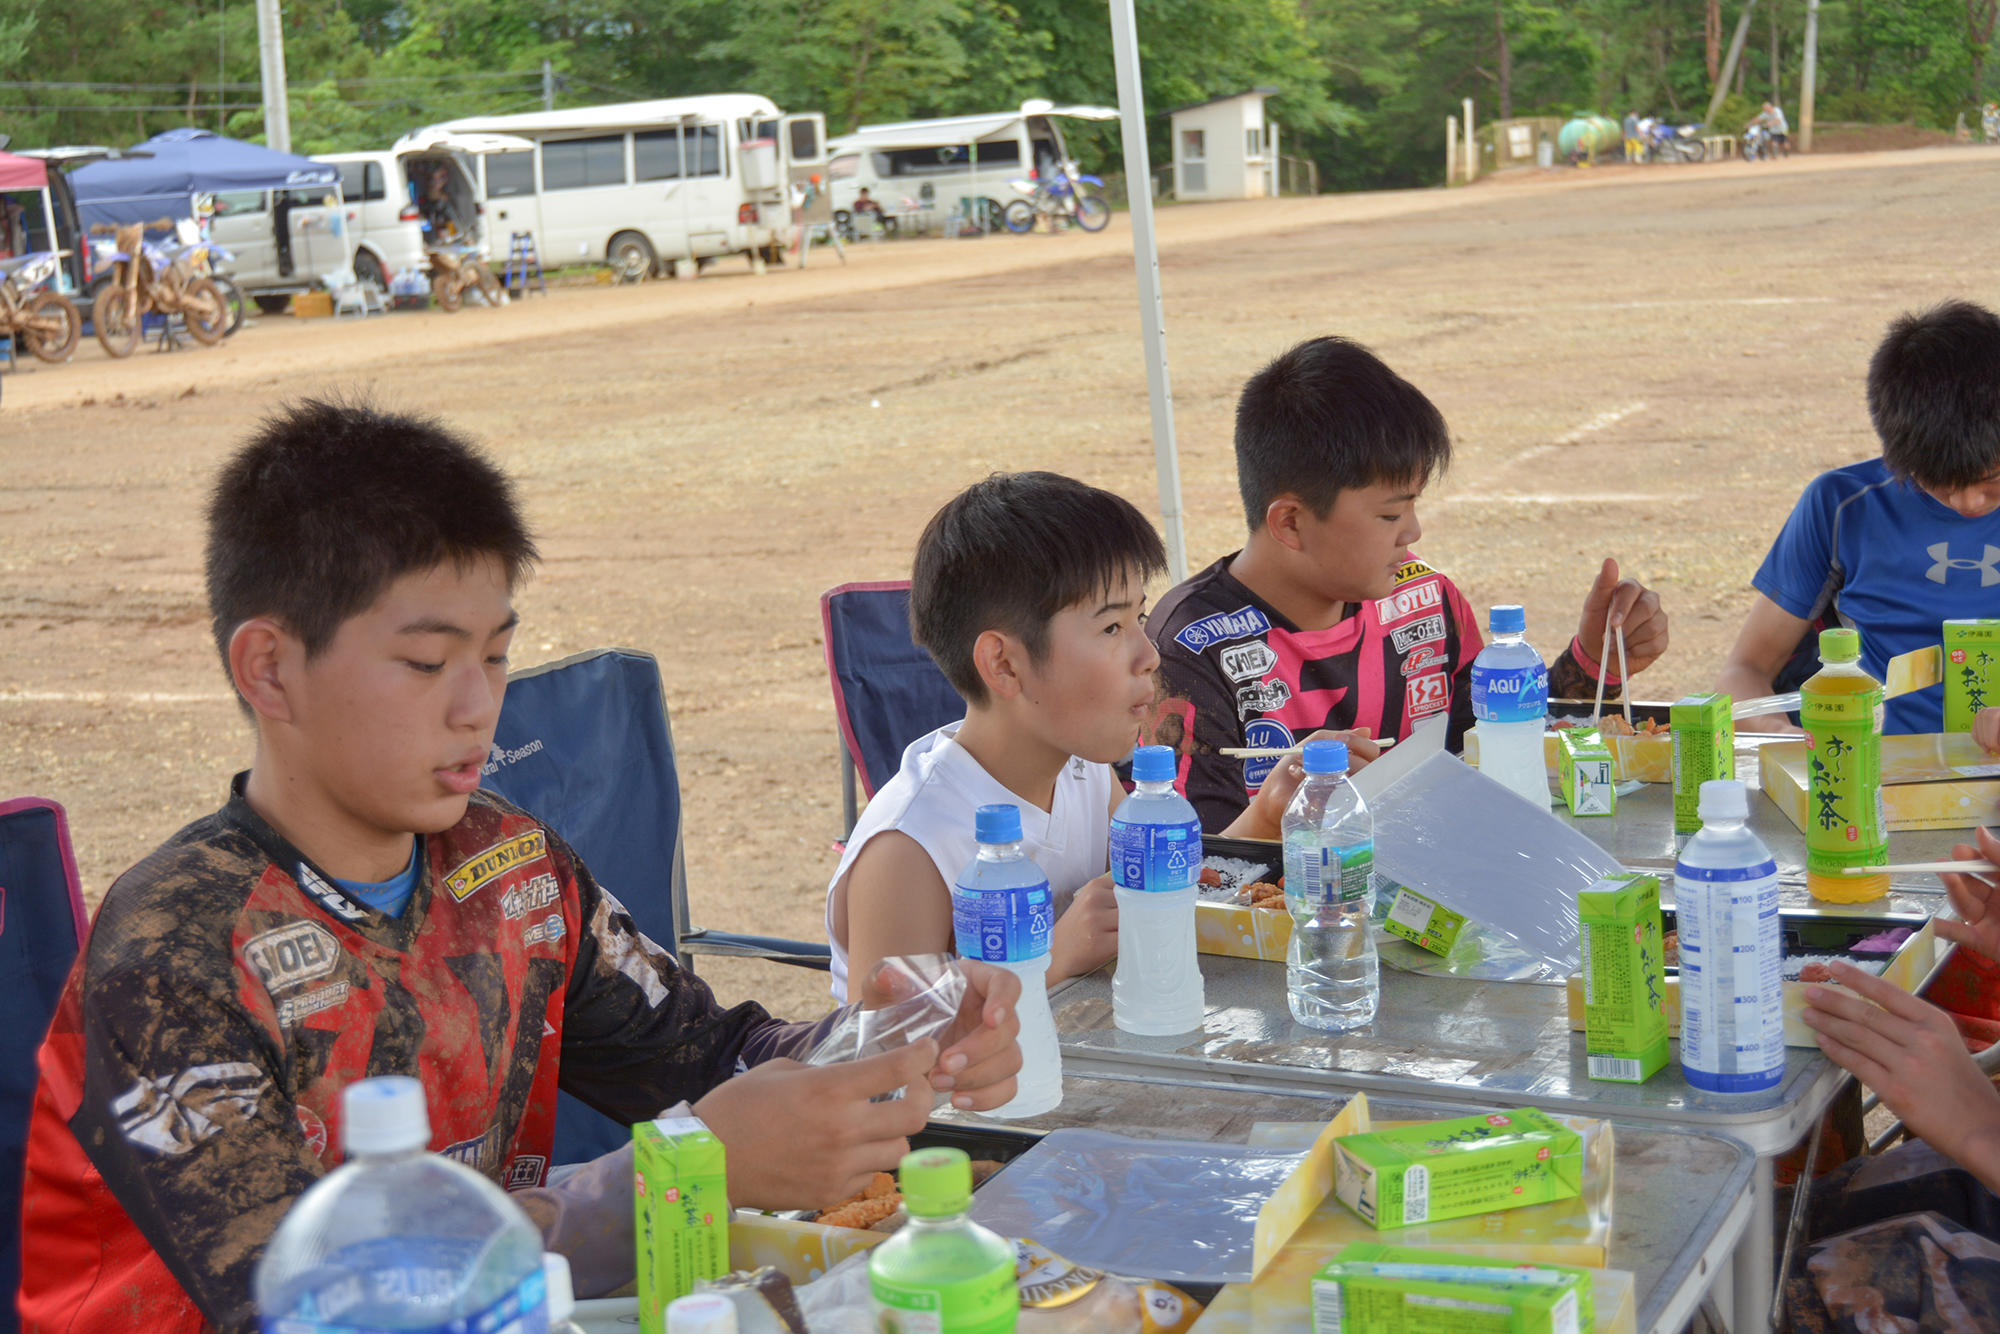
{"x":321,"y":892}
{"x":545,"y":932}
{"x":1248,"y":662}
{"x":1426,"y":695}
{"x":521,"y":900}
{"x":525,"y":1172}
{"x":292,"y":955}
{"x":1427,"y":631}
{"x":1413,"y":569}
{"x":1221,"y":627}
{"x":490,"y":865}
{"x":1409,"y":601}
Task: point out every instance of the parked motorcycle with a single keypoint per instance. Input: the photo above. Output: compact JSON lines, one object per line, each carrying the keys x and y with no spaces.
{"x":1056,"y":193}
{"x":151,"y":277}
{"x":1761,"y":145}
{"x":1673,"y":143}
{"x":455,"y":269}
{"x":45,"y":320}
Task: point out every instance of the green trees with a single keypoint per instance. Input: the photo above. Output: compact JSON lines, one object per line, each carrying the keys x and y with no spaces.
{"x":1363,"y":85}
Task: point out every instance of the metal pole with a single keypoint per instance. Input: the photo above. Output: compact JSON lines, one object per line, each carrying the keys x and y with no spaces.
{"x":548,"y":86}
{"x":271,"y":55}
{"x":1471,"y":152}
{"x":1808,"y":76}
{"x":1146,"y":261}
{"x":1450,"y":149}
{"x":1729,"y":62}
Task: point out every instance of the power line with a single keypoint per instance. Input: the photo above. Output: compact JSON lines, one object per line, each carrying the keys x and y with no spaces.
{"x":359,"y":81}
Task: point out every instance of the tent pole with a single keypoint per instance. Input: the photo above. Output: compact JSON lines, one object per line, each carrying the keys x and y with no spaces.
{"x":1146,"y":260}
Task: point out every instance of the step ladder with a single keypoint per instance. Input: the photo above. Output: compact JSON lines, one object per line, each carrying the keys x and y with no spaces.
{"x":524,"y":266}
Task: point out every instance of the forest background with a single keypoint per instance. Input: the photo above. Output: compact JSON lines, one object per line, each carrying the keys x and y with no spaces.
{"x":1363,"y":85}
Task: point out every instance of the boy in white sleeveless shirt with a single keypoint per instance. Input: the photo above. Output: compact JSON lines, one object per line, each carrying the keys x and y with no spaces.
{"x":1029,"y":592}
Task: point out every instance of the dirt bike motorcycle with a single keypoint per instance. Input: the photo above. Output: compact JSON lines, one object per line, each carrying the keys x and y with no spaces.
{"x":1058,"y":194}
{"x":152,"y":278}
{"x":45,"y":320}
{"x":456,"y":269}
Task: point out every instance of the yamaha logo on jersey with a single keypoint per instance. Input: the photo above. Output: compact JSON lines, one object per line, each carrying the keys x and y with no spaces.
{"x":1222,"y":627}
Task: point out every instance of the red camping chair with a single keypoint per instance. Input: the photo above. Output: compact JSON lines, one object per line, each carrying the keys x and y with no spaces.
{"x":41,"y":928}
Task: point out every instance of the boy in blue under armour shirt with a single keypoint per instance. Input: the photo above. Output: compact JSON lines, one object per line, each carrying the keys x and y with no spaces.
{"x":1894,"y":545}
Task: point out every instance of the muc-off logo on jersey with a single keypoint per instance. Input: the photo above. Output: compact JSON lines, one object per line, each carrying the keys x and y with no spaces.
{"x":1427,"y":631}
{"x":1222,"y":627}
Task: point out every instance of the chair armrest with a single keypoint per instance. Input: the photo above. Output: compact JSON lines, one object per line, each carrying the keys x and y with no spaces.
{"x":728,"y":944}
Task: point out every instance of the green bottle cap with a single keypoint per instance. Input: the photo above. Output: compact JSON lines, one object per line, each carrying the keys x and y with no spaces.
{"x":936,"y":1182}
{"x":1840,"y":646}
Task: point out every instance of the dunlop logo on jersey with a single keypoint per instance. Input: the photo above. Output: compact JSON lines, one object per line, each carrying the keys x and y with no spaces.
{"x":490,"y":865}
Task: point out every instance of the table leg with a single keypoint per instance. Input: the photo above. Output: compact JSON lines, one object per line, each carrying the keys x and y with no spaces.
{"x":1754,"y":1276}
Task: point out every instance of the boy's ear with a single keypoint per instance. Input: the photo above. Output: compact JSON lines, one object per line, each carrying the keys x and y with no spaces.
{"x":256,"y":666}
{"x":998,"y":658}
{"x":1282,"y":517}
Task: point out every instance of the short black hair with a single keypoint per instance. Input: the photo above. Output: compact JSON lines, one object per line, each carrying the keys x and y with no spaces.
{"x":1009,"y":553}
{"x":1934,"y":395}
{"x":329,"y":502}
{"x":1326,"y":417}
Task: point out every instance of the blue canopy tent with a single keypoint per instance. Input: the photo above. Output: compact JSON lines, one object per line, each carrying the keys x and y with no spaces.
{"x":184,"y":163}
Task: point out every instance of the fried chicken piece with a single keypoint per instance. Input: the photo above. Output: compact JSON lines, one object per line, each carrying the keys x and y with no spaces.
{"x":863,"y":1213}
{"x":982,"y":1168}
{"x":880,"y":1186}
{"x":1264,"y":894}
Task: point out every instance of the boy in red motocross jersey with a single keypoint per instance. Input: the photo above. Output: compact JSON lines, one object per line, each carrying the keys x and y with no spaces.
{"x":359,"y":907}
{"x":1325,"y":620}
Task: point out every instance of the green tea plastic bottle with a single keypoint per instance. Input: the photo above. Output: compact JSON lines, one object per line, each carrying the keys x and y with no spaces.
{"x":942,"y":1273}
{"x":1841,"y":707}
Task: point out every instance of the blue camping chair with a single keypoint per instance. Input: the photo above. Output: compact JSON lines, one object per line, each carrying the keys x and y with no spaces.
{"x":887,"y":692}
{"x":41,"y":928}
{"x":585,"y":745}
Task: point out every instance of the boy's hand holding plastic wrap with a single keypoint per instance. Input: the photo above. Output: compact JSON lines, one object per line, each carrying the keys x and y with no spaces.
{"x":801,"y":1135}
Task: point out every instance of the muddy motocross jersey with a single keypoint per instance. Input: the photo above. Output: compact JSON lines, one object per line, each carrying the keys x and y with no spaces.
{"x":1235,"y":673}
{"x":191,"y":1081}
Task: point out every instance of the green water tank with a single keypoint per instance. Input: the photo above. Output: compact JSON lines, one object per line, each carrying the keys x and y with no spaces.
{"x":1589,"y":133}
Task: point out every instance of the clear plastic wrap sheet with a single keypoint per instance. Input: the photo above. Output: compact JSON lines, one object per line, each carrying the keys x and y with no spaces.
{"x":1454,"y":835}
{"x":929,"y":989}
{"x":1178,"y":1210}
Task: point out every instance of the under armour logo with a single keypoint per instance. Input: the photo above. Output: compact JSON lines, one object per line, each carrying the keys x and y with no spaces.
{"x":1940,"y":552}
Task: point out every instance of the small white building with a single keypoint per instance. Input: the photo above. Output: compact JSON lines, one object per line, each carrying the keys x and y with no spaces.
{"x":1224,"y":148}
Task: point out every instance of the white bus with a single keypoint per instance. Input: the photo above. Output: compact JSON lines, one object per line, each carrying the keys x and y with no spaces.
{"x":935,"y":164}
{"x":645,"y":184}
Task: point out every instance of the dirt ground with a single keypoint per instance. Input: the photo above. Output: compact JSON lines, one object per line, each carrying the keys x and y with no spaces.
{"x":1647,"y":363}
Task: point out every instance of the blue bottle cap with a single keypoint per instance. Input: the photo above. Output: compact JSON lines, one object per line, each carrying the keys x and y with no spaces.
{"x":998,"y":823}
{"x":1153,"y":764}
{"x":1507,"y":619}
{"x":1325,"y":757}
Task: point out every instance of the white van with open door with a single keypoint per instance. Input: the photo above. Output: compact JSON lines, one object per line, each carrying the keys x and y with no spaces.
{"x":421,"y":191}
{"x":642,"y":185}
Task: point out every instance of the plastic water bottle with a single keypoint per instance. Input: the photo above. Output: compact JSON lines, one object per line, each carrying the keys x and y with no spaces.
{"x":1155,"y":874}
{"x":1510,"y":700}
{"x":942,"y":1271}
{"x":562,"y":1294}
{"x":1726,"y":910}
{"x":398,"y":1238}
{"x":1332,"y":976}
{"x":1002,"y":912}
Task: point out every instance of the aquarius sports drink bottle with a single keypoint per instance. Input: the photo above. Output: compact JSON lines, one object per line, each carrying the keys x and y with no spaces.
{"x":1726,"y":911}
{"x":942,"y":1271}
{"x":400,"y":1239}
{"x":1332,"y":977}
{"x":1155,"y":874}
{"x":1510,"y":701}
{"x":1002,"y":912}
{"x":1841,"y":707}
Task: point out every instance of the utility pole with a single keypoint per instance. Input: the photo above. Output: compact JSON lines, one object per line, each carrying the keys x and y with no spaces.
{"x":271,"y":55}
{"x":548,"y":86}
{"x":1729,"y":64}
{"x":1808,"y":76}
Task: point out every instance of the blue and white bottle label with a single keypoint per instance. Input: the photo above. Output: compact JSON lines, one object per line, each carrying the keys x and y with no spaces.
{"x":366,"y":1284}
{"x":1157,"y":858}
{"x":1002,"y":925}
{"x":1509,"y":694}
{"x":1731,"y":961}
{"x":1319,"y":872}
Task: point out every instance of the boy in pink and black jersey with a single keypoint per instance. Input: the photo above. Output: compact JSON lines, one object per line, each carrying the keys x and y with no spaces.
{"x":1326,"y":621}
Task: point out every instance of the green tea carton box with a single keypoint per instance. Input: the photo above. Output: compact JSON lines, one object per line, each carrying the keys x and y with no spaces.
{"x":1423,"y":922}
{"x":1704,"y":735}
{"x":1373,"y":1289}
{"x":1448,"y":1169}
{"x":1624,"y":989}
{"x":1971,"y":671}
{"x":681,"y":1212}
{"x":1589,"y":786}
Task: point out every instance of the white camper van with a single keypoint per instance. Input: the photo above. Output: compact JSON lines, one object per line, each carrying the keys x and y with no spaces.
{"x":936,"y":164}
{"x":643,"y":184}
{"x":421,"y":192}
